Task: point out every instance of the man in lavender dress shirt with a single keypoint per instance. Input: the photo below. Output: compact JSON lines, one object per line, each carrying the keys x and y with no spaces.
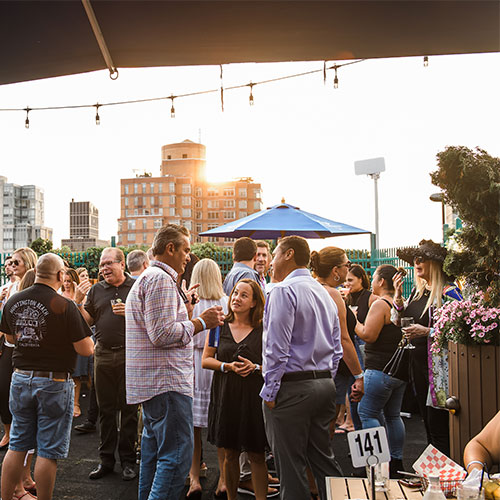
{"x":301,"y":352}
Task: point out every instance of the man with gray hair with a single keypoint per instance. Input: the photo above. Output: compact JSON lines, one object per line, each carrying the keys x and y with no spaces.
{"x":159,"y":363}
{"x":48,"y":332}
{"x":137,"y":262}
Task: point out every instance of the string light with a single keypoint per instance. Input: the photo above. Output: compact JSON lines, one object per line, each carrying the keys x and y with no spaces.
{"x":172,"y":109}
{"x":336,"y":78}
{"x":97,"y":117}
{"x":221,"y":89}
{"x":324,"y":72}
{"x":189,"y":94}
{"x":426,"y":61}
{"x":27,"y":121}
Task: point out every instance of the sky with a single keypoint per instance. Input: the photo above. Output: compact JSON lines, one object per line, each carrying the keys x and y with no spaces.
{"x":300,"y":139}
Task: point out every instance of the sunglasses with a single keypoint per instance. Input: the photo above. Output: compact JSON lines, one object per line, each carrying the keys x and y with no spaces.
{"x":348,"y":264}
{"x":15,"y":262}
{"x":419,"y":260}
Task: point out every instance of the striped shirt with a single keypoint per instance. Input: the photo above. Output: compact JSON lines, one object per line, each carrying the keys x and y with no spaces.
{"x":159,"y":334}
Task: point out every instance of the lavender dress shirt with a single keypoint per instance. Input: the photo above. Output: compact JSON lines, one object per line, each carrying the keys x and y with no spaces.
{"x":301,"y":331}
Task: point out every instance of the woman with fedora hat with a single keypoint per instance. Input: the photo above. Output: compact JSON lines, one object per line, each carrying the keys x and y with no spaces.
{"x":428,"y":371}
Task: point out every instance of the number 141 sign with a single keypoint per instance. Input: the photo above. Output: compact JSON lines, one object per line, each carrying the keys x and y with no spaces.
{"x":369,"y":447}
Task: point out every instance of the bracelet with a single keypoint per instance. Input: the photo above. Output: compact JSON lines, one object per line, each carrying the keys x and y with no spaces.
{"x":203,"y":324}
{"x":257,"y":368}
{"x":222,"y":367}
{"x":475,"y":462}
{"x":398,"y":308}
{"x":80,"y":305}
{"x":359,"y":375}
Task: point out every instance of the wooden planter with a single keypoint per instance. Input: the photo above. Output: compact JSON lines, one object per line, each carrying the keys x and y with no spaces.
{"x":474,"y":375}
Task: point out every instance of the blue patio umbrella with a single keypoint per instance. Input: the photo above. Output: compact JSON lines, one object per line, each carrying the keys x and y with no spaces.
{"x":283,"y":220}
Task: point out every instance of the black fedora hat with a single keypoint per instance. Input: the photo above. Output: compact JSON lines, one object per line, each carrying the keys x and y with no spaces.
{"x":426,"y":249}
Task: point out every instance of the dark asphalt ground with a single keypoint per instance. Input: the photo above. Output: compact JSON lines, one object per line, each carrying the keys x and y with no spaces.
{"x":73,"y":483}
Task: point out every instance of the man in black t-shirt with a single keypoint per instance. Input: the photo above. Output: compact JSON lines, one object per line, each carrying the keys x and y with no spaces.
{"x":109,"y":362}
{"x":48,"y":332}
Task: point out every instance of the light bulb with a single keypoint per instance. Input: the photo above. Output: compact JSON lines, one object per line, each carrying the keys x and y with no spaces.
{"x":27,"y":121}
{"x":426,"y":61}
{"x":250,"y":98}
{"x":172,"y":109}
{"x":97,"y":117}
{"x":336,"y":79}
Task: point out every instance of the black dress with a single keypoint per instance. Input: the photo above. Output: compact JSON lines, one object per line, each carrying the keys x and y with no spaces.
{"x":235,"y":418}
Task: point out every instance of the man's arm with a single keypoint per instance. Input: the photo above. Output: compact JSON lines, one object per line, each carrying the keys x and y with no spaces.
{"x":84,"y":347}
{"x":280,"y":319}
{"x":80,"y":297}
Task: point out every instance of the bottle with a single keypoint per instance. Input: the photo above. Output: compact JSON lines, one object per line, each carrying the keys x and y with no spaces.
{"x":433,"y":491}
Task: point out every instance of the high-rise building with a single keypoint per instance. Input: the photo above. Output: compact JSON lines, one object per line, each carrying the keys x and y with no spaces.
{"x":181,"y":195}
{"x":83,"y":227}
{"x":22,"y":215}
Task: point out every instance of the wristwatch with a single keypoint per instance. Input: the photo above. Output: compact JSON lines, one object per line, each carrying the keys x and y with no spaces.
{"x":359,"y":375}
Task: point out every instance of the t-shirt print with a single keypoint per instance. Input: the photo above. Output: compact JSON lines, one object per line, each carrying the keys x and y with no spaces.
{"x":30,"y":324}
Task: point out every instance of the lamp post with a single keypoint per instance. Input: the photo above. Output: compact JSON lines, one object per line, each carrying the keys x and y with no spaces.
{"x":439,"y":198}
{"x":372,"y":167}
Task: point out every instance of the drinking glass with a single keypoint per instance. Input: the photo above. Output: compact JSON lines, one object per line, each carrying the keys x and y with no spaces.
{"x":465,"y":492}
{"x":381,"y":476}
{"x":406,"y":322}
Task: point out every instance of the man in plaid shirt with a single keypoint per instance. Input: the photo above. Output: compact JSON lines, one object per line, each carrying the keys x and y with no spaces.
{"x":159,"y":364}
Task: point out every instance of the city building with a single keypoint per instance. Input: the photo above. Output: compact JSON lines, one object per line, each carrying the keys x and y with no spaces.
{"x":181,"y":195}
{"x":83,"y":227}
{"x":22,"y":215}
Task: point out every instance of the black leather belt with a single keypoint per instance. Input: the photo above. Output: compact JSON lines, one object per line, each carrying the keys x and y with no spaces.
{"x":306,"y":375}
{"x":53,"y":375}
{"x":111,"y":347}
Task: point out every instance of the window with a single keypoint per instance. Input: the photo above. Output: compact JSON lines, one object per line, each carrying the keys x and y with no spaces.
{"x":144,"y":223}
{"x":188,"y":224}
{"x":157,"y":223}
{"x":143,"y":187}
{"x":136,"y":200}
{"x":131,"y":237}
{"x":212,"y":226}
{"x":242,"y":204}
{"x":171,"y":199}
{"x":229,"y":204}
{"x":257,"y":193}
{"x":242,"y":192}
{"x":171,"y":187}
{"x":199,"y":228}
{"x":160,"y":200}
{"x":152,"y":200}
{"x":136,"y":188}
{"x":160,"y":188}
{"x":213,"y":215}
{"x":213,"y":204}
{"x":197,"y":215}
{"x":186,"y":188}
{"x":212,"y":192}
{"x":145,"y":237}
{"x":131,"y":224}
{"x":171,"y":212}
{"x":229,"y":214}
{"x":152,"y":187}
{"x":229,"y":192}
{"x":126,"y":213}
{"x":186,"y":212}
{"x":186,"y":200}
{"x":257,"y":205}
{"x":198,"y":204}
{"x":198,"y":192}
{"x":243,"y":214}
{"x":125,"y":187}
{"x":125,"y":201}
{"x":184,"y":155}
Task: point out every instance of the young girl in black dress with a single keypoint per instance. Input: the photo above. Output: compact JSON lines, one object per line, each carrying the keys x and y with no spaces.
{"x":235,"y":421}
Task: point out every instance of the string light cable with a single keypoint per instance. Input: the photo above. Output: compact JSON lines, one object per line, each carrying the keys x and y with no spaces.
{"x":220,"y":90}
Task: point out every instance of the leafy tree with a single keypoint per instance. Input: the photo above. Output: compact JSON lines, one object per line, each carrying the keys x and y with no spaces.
{"x":41,"y":246}
{"x":210,"y":251}
{"x":470,"y":180}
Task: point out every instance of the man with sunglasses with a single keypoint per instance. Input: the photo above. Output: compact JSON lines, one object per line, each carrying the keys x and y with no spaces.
{"x":48,"y":332}
{"x":109,"y":359}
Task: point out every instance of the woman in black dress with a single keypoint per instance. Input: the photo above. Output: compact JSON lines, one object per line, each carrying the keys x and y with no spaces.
{"x":235,"y":421}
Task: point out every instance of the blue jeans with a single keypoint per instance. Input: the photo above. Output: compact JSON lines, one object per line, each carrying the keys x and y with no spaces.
{"x":382,"y":401}
{"x":166,"y":446}
{"x":42,"y":414}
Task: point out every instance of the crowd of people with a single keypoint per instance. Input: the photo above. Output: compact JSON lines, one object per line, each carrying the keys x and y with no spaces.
{"x":267,"y":361}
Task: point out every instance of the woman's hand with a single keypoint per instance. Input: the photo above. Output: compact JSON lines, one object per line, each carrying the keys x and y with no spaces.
{"x":416,"y":330}
{"x":243,"y":367}
{"x":397,"y":281}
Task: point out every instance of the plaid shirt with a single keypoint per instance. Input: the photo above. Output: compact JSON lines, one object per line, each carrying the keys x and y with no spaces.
{"x":159,"y":347}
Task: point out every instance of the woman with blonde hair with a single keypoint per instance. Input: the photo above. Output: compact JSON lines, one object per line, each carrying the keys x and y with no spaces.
{"x":207,"y":274}
{"x":235,"y":419}
{"x":429,"y":372}
{"x":23,"y":264}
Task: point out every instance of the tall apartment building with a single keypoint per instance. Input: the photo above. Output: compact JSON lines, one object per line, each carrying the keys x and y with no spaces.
{"x":83,"y":227}
{"x":181,"y":195}
{"x":22,"y":215}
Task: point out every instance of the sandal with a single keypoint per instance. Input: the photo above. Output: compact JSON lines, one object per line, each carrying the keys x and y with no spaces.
{"x":24,"y":496}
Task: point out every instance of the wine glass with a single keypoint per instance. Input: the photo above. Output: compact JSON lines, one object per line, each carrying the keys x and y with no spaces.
{"x":406,"y":322}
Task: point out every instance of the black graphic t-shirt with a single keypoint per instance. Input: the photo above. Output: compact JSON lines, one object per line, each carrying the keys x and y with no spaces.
{"x":44,"y":325}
